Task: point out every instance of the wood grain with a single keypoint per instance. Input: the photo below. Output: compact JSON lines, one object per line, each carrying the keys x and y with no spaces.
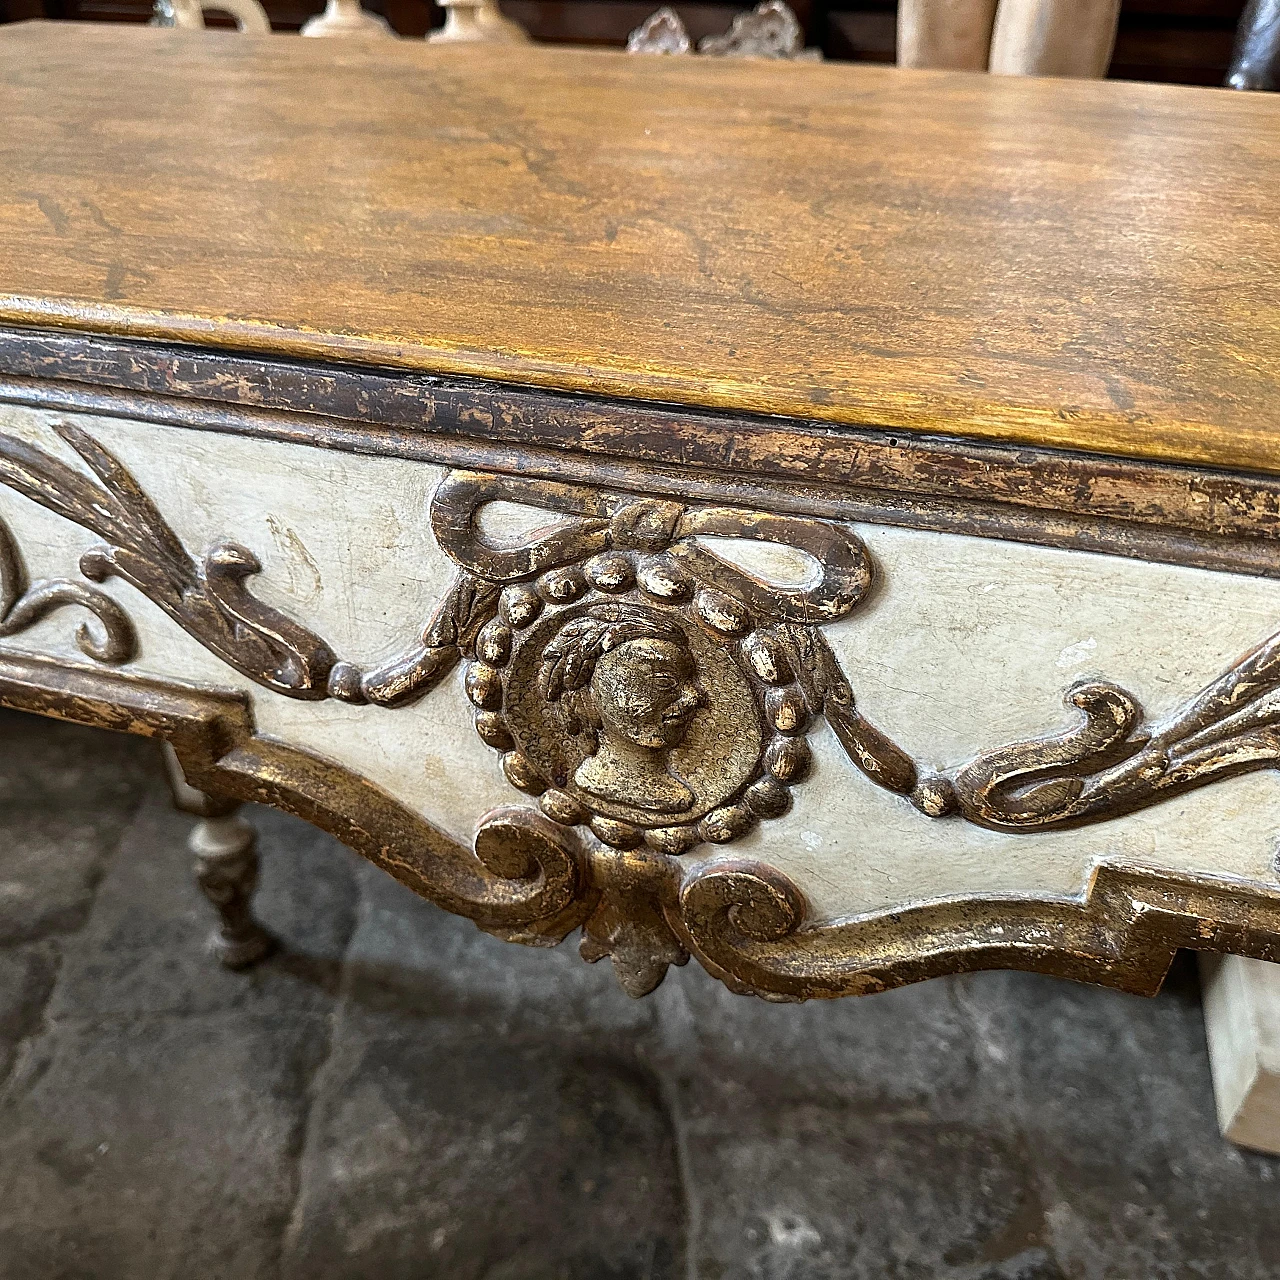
{"x":1091,"y":266}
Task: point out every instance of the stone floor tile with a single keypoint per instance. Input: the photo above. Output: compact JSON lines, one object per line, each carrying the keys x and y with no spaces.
{"x":26,"y":978}
{"x":408,"y":956}
{"x":47,"y":765}
{"x":50,"y":863}
{"x":158,"y":1147}
{"x":1115,"y":1102}
{"x":899,"y":1050}
{"x":400,"y":1095}
{"x":452,"y":1154}
{"x":483,"y":1115}
{"x":807,"y":1192}
{"x":66,"y":794}
{"x":966,"y":1129}
{"x":840,"y":1141}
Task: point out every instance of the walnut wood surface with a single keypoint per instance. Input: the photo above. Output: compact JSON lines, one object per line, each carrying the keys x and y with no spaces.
{"x":1091,"y":266}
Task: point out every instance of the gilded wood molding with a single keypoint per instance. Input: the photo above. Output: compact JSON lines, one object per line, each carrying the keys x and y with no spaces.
{"x":1201,"y":516}
{"x":525,"y":879}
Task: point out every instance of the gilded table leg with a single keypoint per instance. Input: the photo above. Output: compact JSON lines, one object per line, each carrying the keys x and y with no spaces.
{"x":226,"y":854}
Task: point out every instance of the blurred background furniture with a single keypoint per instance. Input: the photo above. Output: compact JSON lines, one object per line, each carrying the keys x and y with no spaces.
{"x":346,"y":18}
{"x":1255,"y":61}
{"x":1009,"y":37}
{"x":247,"y":15}
{"x":770,"y":30}
{"x":1180,"y":41}
{"x":945,"y":33}
{"x":477,"y":22}
{"x":1054,"y":37}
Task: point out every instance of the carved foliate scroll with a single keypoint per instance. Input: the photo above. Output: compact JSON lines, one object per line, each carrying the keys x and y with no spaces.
{"x":110,"y":638}
{"x":653,"y":696}
{"x":206,"y":596}
{"x":1113,"y":762}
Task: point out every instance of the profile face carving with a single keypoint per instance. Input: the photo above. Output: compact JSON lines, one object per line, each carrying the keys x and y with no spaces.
{"x":626,"y":675}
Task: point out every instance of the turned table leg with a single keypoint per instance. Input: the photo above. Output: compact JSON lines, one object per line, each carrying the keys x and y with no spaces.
{"x":226,"y":854}
{"x":951,"y":34}
{"x":1054,"y":37}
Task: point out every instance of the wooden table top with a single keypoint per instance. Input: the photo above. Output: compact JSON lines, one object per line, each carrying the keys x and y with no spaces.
{"x":1088,"y":265}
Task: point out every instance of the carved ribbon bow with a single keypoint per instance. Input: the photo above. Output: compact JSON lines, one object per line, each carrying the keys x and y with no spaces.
{"x":667,"y":532}
{"x":659,"y":537}
{"x":1112,"y":763}
{"x":660,"y":542}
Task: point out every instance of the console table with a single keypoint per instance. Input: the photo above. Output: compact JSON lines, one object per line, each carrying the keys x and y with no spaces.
{"x":820,"y":520}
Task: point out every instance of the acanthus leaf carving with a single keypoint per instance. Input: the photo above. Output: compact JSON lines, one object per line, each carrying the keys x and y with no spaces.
{"x":1113,"y":762}
{"x":631,"y":921}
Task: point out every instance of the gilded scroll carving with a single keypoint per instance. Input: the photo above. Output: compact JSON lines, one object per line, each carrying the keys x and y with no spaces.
{"x":606,"y":653}
{"x":1113,"y":762}
{"x":649,"y":693}
{"x":605,"y":656}
{"x":206,"y":597}
{"x":110,"y":638}
{"x":531,"y":880}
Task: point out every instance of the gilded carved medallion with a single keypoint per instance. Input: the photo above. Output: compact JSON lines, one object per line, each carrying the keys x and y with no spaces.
{"x":639,"y":683}
{"x":654,"y":696}
{"x":633,"y":715}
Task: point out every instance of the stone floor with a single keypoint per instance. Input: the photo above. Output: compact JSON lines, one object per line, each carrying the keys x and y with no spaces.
{"x":397,"y":1095}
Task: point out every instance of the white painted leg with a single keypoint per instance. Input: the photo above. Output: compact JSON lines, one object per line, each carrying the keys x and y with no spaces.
{"x":225,"y":849}
{"x":1242,"y":1019}
{"x":1054,"y":38}
{"x":953,"y":34}
{"x":227,"y":873}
